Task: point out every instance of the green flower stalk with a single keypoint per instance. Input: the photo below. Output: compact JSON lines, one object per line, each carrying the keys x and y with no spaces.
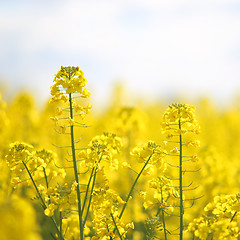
{"x":150,"y":154}
{"x":69,"y":81}
{"x":134,"y":184}
{"x":163,"y":216}
{"x":181,"y":182}
{"x":76,"y":169}
{"x":161,"y":201}
{"x":179,"y":120}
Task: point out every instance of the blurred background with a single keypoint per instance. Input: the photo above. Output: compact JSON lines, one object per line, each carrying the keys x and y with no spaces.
{"x":156,"y":48}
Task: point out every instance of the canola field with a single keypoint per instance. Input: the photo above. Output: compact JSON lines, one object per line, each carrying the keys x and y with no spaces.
{"x":149,"y":171}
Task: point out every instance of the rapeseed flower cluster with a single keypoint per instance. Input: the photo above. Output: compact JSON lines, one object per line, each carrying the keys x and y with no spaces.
{"x":161,"y":194}
{"x":149,"y":152}
{"x":61,"y":197}
{"x":106,"y":204}
{"x":21,"y":156}
{"x":25,"y":162}
{"x":180,"y":114}
{"x":102,"y":148}
{"x":220,"y":219}
{"x":71,"y":80}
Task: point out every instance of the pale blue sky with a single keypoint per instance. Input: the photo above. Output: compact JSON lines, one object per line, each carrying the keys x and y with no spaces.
{"x":158,"y":48}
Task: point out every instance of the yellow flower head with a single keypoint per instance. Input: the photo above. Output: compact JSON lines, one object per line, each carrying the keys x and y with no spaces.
{"x":219,"y":220}
{"x":176,"y":112}
{"x":105,"y":147}
{"x":179,"y":115}
{"x":149,"y":151}
{"x":69,"y":80}
{"x":17,"y":153}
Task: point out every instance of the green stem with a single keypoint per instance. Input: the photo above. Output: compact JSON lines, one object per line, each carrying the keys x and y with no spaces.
{"x":60,"y":223}
{"x":94,"y":174}
{"x":163,"y":218}
{"x":180,"y":183}
{"x":40,"y":196}
{"x":45,"y":176}
{"x":90,"y":199}
{"x":46,"y":180}
{"x":76,"y":172}
{"x":233,"y":216}
{"x":164,"y":225}
{"x":133,"y":186}
{"x":116,"y":227}
{"x":86,"y":194}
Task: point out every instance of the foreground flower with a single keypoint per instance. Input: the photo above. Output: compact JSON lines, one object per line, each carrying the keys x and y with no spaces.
{"x":220,"y":219}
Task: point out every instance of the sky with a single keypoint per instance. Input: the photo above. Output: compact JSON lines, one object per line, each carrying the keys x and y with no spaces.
{"x":157,"y":48}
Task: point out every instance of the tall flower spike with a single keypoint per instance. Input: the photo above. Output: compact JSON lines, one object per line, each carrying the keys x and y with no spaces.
{"x":69,"y":81}
{"x":179,"y":121}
